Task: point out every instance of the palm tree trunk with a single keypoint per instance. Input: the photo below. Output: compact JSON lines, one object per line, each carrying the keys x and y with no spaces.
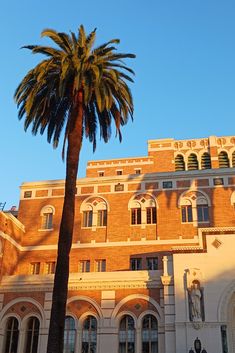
{"x":60,"y":291}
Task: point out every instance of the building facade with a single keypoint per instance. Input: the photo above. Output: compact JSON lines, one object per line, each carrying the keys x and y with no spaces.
{"x":152,"y":264}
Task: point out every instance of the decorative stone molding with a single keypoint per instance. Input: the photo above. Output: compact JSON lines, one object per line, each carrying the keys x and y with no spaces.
{"x":166,"y":280}
{"x":193,"y":274}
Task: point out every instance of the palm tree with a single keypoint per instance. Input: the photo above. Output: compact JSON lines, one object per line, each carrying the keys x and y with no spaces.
{"x":73,"y":91}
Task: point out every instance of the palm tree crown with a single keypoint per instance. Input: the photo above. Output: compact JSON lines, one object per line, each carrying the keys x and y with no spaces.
{"x":47,"y":96}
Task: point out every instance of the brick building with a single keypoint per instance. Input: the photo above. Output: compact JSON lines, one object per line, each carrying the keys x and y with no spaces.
{"x":152,"y":262}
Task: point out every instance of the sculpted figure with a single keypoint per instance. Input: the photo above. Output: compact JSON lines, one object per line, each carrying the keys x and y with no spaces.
{"x":195,"y":297}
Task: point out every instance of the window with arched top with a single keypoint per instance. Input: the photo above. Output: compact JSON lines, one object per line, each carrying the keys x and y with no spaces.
{"x":233,"y":159}
{"x":143,"y":210}
{"x":32,"y":335}
{"x":11,"y":335}
{"x":205,"y":161}
{"x":149,"y":334}
{"x":194,"y":207}
{"x":87,"y":216}
{"x":127,"y":335}
{"x":179,"y":163}
{"x":192,"y":162}
{"x":223,"y":159}
{"x":47,"y":214}
{"x":186,"y":211}
{"x":69,"y":335}
{"x":233,"y":199}
{"x":94,"y":212}
{"x":89,"y":335}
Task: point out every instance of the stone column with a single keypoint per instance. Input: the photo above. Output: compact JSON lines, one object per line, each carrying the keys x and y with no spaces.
{"x":108,"y":333}
{"x":169,"y":304}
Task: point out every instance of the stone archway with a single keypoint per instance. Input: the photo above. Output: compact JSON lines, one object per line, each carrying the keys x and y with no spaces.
{"x":231,"y":324}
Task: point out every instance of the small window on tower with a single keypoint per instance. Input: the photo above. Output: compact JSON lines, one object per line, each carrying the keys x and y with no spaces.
{"x":101,"y":174}
{"x":50,"y":267}
{"x":47,"y":217}
{"x":138,"y":171}
{"x":34,"y":268}
{"x":119,"y":172}
{"x":136,"y":264}
{"x":100,"y":265}
{"x":84,"y":266}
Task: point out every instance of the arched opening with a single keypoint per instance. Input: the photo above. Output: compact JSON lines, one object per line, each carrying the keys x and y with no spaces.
{"x":149,"y":334}
{"x":11,"y":335}
{"x":233,"y":159}
{"x":127,"y":335}
{"x":223,"y":160}
{"x":69,"y":335}
{"x":206,"y":161}
{"x":192,"y":162}
{"x":32,"y":335}
{"x":89,"y":335}
{"x":179,"y":163}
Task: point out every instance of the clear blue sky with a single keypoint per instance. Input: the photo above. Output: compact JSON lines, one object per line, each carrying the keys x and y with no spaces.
{"x":184,"y":85}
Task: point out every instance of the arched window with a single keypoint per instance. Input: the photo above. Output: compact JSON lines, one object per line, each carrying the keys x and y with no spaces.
{"x":192,"y":162}
{"x":194,"y":207}
{"x":149,"y":334}
{"x":143,"y":210}
{"x":179,"y":163}
{"x":32,"y":335}
{"x":47,"y":217}
{"x":94,"y":211}
{"x":87,"y":216}
{"x":69,"y":335}
{"x":223,"y":160}
{"x":11,"y":335}
{"x":127,"y":335}
{"x":101,"y":214}
{"x":89,"y":335}
{"x":206,"y":161}
{"x":202,"y":210}
{"x":136,"y":213}
{"x":233,"y":199}
{"x":186,"y":211}
{"x":233,"y":159}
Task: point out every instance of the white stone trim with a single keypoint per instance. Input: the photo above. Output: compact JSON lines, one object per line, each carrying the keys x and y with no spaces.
{"x":23,"y":299}
{"x":233,"y":199}
{"x":89,"y":300}
{"x":139,"y":296}
{"x":13,"y":219}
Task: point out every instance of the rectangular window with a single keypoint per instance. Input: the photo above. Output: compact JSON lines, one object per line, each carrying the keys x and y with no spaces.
{"x":50,"y":267}
{"x":137,"y":171}
{"x":34,"y":268}
{"x":167,"y":184}
{"x":186,"y":214}
{"x":47,"y":220}
{"x":102,"y":218}
{"x":218,"y":181}
{"x":84,"y":266}
{"x":100,"y":174}
{"x":136,"y":264}
{"x":151,"y":215}
{"x":87,"y":219}
{"x":119,"y":172}
{"x":27,"y":194}
{"x":100,"y":265}
{"x":152,"y":263}
{"x":202,"y":213}
{"x":223,"y":329}
{"x":136,"y":216}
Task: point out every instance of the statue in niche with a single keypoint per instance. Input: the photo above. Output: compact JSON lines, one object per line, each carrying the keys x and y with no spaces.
{"x":196,"y":302}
